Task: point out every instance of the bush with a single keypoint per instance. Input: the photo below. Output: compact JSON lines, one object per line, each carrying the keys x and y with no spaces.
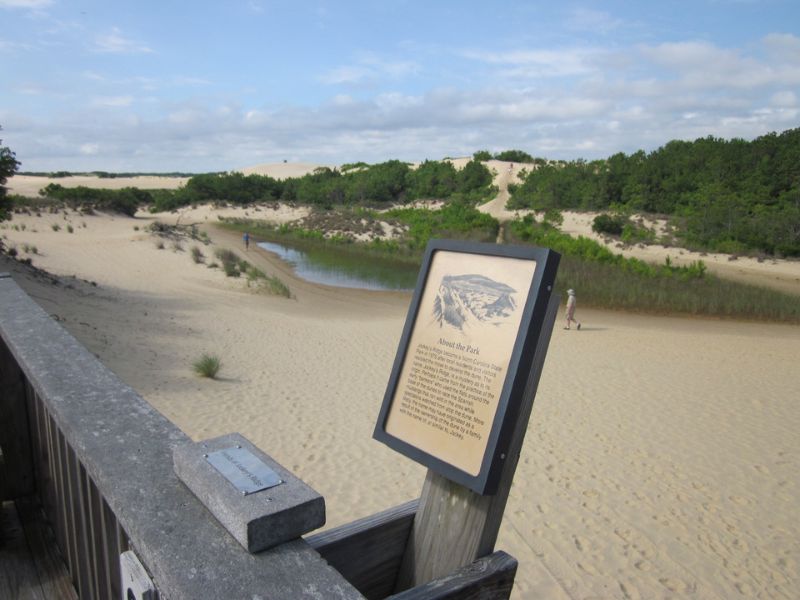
{"x":519,"y":156}
{"x":553,"y":217}
{"x":197,"y":254}
{"x":56,"y":227}
{"x":207,"y":366}
{"x":610,"y":224}
{"x":70,"y":229}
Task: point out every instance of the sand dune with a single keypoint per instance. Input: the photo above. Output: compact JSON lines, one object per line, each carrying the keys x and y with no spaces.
{"x":661,"y":460}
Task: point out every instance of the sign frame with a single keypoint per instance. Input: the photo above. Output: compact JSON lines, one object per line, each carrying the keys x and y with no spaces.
{"x":486,"y":480}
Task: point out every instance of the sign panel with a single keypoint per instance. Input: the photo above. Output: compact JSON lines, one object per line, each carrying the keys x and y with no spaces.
{"x":243,"y":469}
{"x":455,"y":385}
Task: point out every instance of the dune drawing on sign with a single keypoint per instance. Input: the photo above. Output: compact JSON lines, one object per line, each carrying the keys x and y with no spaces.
{"x":463,"y":299}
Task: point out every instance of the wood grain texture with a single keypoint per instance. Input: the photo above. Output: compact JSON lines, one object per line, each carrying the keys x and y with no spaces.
{"x":454,"y":526}
{"x":368,"y":551}
{"x":488,"y":578}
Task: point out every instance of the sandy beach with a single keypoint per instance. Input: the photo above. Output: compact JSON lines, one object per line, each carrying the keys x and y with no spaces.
{"x":661,"y":459}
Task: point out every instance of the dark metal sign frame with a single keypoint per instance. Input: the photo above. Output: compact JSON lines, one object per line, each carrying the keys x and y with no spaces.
{"x":521,"y":355}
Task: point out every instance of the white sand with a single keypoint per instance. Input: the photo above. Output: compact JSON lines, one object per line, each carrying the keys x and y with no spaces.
{"x":662,"y":458}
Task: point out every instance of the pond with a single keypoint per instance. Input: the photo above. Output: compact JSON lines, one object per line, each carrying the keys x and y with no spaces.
{"x":340,"y":269}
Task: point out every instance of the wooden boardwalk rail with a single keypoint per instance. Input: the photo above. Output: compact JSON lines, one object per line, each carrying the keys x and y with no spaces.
{"x":99,"y":458}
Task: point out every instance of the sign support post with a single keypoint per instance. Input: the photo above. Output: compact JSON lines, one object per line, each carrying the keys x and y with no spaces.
{"x":454,"y":525}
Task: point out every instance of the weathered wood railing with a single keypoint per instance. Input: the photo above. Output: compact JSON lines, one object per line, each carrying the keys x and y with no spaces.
{"x":99,"y":458}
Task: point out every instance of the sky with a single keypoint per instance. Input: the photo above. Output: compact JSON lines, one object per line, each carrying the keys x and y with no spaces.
{"x":199,"y":86}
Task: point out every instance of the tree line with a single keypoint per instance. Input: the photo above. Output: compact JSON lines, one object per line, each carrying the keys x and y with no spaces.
{"x":724,"y":195}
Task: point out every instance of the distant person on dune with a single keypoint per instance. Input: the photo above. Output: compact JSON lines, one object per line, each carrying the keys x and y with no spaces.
{"x":246,"y":238}
{"x":571,"y":310}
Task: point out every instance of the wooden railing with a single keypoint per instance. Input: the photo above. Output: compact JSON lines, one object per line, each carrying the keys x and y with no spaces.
{"x":99,"y":459}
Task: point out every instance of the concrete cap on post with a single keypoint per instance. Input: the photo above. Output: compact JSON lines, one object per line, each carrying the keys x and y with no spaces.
{"x":258,"y":520}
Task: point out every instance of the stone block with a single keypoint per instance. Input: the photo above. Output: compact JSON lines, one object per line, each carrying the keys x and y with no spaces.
{"x":258,"y":520}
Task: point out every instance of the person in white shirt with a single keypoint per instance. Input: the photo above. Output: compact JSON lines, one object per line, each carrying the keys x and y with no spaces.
{"x":571,"y":310}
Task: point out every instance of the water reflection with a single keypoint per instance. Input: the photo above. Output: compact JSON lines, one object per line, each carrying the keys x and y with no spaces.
{"x":343,"y":270}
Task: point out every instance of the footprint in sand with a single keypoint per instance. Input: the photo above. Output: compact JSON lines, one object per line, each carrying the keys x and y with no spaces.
{"x":675,"y":585}
{"x":739,"y":500}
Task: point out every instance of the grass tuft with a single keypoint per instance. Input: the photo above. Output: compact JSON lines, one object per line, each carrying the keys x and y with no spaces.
{"x":207,"y":365}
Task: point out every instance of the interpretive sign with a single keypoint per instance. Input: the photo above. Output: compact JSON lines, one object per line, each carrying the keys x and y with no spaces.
{"x":243,"y":469}
{"x":455,"y":388}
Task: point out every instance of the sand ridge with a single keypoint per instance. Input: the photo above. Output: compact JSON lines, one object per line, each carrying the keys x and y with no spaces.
{"x":661,"y":459}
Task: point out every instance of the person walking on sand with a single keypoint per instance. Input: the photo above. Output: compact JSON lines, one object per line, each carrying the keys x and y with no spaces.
{"x":246,"y":238}
{"x":571,"y":310}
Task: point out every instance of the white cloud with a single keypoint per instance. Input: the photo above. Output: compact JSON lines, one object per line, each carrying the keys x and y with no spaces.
{"x":594,"y":21}
{"x":111,"y":101}
{"x":539,"y":62}
{"x":89,"y":149}
{"x":369,"y":69}
{"x":560,"y":103}
{"x":29,"y":4}
{"x":116,"y":43}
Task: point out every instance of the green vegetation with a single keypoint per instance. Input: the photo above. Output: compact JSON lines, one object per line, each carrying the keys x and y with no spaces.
{"x":727,"y":196}
{"x":8,"y":166}
{"x":197,"y":254}
{"x":125,"y":201}
{"x":207,"y":365}
{"x":416,"y":227}
{"x":609,"y":280}
{"x":519,"y":156}
{"x":610,"y":224}
{"x":235,"y":267}
{"x":453,"y":221}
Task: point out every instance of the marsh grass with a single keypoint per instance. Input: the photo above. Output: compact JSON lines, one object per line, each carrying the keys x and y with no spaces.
{"x":269,"y":283}
{"x":207,"y":365}
{"x":607,"y":280}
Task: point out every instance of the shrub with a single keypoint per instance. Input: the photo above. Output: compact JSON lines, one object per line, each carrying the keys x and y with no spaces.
{"x":610,"y":224}
{"x":56,"y":227}
{"x":70,"y":229}
{"x":160,"y":244}
{"x":553,"y":217}
{"x":230,"y":269}
{"x":207,"y":366}
{"x":197,"y":255}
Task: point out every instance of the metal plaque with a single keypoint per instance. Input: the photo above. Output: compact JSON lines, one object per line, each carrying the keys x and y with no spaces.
{"x":243,"y":469}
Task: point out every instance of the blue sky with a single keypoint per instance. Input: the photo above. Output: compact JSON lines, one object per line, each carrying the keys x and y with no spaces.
{"x":197,"y":86}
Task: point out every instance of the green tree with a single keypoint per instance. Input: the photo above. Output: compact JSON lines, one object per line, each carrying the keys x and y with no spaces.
{"x":8,"y":166}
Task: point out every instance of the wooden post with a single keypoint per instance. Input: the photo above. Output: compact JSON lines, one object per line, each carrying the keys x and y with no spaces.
{"x":454,"y":525}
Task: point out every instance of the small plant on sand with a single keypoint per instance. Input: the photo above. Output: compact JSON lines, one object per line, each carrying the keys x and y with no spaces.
{"x":213,"y":265}
{"x":70,"y":229}
{"x":56,"y":227}
{"x":197,"y":255}
{"x":207,"y":365}
{"x":136,"y":228}
{"x":177,"y":246}
{"x":269,"y":283}
{"x":230,"y":269}
{"x":160,"y":244}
